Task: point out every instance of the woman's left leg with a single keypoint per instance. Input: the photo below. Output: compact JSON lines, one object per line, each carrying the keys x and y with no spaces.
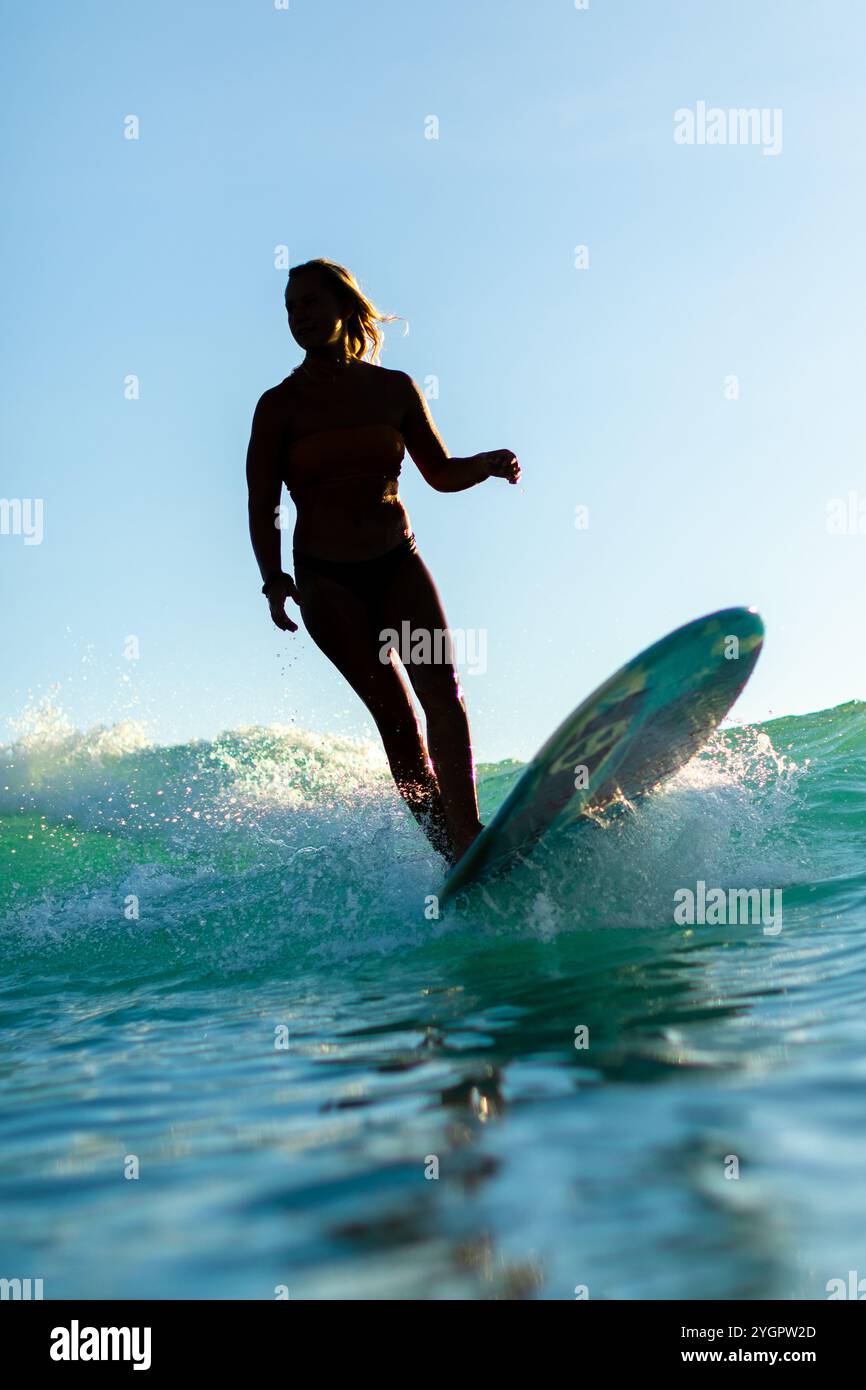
{"x":411,"y":596}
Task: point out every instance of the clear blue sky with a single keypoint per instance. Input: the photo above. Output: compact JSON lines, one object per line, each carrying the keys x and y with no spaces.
{"x":306,"y":127}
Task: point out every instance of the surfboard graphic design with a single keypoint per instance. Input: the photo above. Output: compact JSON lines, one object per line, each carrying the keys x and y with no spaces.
{"x":639,"y":727}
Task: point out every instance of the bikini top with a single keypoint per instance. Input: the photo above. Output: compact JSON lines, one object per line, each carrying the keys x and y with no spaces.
{"x":348,"y":452}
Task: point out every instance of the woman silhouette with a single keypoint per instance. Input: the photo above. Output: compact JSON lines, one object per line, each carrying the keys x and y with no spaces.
{"x":335,"y":432}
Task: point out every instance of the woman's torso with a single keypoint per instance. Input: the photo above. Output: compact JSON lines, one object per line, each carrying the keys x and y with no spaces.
{"x":342,"y":461}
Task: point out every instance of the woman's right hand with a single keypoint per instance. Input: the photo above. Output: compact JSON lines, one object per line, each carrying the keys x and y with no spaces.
{"x":280,"y":590}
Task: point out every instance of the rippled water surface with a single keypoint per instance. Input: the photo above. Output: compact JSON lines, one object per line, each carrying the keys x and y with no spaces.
{"x":217,"y":970}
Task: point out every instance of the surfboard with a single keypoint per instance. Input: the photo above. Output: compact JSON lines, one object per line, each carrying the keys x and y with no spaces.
{"x":639,"y":727}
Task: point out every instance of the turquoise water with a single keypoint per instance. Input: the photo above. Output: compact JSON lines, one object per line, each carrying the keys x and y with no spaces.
{"x":167,"y":912}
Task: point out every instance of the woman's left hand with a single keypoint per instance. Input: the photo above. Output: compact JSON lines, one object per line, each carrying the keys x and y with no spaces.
{"x":501,"y":463}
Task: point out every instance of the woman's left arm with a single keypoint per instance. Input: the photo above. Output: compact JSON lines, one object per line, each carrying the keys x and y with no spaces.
{"x":428,"y":451}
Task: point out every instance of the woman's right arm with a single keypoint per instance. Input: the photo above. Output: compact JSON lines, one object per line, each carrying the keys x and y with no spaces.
{"x":264,"y":485}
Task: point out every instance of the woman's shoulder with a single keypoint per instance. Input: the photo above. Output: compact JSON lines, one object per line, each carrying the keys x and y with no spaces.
{"x":282,"y":398}
{"x":400,"y":386}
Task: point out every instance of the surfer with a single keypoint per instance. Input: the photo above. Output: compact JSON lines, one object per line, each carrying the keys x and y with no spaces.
{"x":335,"y":432}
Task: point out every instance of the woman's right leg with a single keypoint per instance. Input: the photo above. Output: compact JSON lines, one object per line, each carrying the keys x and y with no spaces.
{"x":340,"y":625}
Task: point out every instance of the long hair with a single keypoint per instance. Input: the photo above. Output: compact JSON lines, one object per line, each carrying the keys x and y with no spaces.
{"x":364,"y":337}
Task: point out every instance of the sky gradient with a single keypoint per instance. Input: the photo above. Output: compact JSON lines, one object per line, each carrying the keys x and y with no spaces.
{"x":697,"y":385}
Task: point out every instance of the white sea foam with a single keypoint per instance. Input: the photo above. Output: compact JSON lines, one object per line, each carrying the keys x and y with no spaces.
{"x":275,"y":838}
